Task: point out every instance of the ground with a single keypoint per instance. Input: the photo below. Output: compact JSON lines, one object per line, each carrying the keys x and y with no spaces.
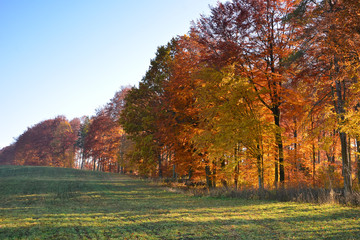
{"x":58,"y":203}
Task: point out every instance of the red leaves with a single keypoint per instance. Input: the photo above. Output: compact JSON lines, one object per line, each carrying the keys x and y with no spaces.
{"x":105,"y":135}
{"x":48,"y":143}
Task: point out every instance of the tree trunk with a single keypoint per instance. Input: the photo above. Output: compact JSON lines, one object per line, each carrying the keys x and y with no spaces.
{"x":208,"y":176}
{"x":82,"y":159}
{"x":358,"y":157}
{"x":236,"y":175}
{"x":296,"y":146}
{"x":319,"y":156}
{"x":160,"y":167}
{"x":260,"y":172}
{"x":313,"y":163}
{"x":349,"y":154}
{"x":346,"y":169}
{"x":174,"y":172}
{"x":259,"y":162}
{"x":340,"y":110}
{"x":279,"y":162}
{"x":214,"y":175}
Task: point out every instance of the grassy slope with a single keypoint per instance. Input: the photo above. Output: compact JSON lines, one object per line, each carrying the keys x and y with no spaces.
{"x":55,"y":203}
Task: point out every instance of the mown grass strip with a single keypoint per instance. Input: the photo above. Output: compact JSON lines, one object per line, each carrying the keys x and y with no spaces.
{"x":55,"y":203}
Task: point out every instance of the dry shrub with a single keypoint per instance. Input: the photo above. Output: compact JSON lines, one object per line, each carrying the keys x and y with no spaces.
{"x":303,"y":195}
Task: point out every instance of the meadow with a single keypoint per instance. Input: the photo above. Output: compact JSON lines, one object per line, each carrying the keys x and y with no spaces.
{"x":59,"y":203}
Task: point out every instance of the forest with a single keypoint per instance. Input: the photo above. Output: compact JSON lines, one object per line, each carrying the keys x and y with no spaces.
{"x":258,"y":95}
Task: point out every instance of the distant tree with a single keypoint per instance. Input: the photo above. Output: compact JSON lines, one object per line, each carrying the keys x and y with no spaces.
{"x":7,"y":155}
{"x":63,"y":143}
{"x":80,"y":143}
{"x":48,"y":143}
{"x":104,"y":137}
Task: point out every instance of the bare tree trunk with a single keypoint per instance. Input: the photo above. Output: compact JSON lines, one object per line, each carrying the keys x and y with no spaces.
{"x":279,"y":162}
{"x":208,"y":176}
{"x":296,"y":146}
{"x":340,"y":110}
{"x":236,"y":175}
{"x":214,"y":175}
{"x":82,"y":159}
{"x":349,"y":152}
{"x":346,"y":170}
{"x":174,"y":172}
{"x":358,"y":157}
{"x":160,"y":165}
{"x":260,"y":169}
{"x":313,"y":163}
{"x":319,"y":156}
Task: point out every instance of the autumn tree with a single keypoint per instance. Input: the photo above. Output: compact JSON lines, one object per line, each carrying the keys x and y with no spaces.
{"x":253,"y":36}
{"x":232,"y":128}
{"x":7,"y":155}
{"x":80,"y":143}
{"x":182,"y":121}
{"x":115,"y":108}
{"x":143,"y":112}
{"x":330,"y":40}
{"x":62,"y":144}
{"x":104,"y":136}
{"x":48,"y":143}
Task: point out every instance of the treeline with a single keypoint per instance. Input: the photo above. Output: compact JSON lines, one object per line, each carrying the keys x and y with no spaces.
{"x":259,"y":94}
{"x":49,"y":143}
{"x":97,"y":142}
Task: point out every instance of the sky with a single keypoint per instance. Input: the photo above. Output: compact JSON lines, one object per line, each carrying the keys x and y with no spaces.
{"x":69,"y":57}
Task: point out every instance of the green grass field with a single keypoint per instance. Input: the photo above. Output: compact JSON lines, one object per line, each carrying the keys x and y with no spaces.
{"x":56,"y":203}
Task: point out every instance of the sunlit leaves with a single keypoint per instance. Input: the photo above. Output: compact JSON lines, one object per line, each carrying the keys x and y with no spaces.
{"x":51,"y":143}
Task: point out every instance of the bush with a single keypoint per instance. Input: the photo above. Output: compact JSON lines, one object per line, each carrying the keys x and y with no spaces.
{"x":303,"y":195}
{"x":294,"y":194}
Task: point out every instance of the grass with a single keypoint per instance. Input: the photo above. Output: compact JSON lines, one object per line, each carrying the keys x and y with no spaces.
{"x":56,"y":203}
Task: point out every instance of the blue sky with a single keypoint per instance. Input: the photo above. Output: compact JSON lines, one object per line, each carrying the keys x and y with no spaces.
{"x":69,"y":57}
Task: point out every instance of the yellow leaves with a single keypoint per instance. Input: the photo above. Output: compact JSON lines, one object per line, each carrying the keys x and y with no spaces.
{"x":352,"y":123}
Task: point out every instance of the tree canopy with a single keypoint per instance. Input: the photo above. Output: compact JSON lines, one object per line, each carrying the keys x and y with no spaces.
{"x":258,"y":94}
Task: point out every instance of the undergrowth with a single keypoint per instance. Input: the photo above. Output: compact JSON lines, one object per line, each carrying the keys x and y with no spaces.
{"x":300,"y":194}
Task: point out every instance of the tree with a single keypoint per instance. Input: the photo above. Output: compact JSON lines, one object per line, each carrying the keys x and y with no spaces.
{"x":48,"y":143}
{"x":181,"y":120}
{"x":7,"y":155}
{"x":104,"y":137}
{"x":330,"y":37}
{"x":80,"y":143}
{"x":232,"y":127}
{"x":62,"y":144}
{"x":143,"y":112}
{"x":252,"y":35}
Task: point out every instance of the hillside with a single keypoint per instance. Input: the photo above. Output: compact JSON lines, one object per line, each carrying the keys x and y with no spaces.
{"x":58,"y":203}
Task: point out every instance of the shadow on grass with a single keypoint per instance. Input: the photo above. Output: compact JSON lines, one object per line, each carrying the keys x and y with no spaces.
{"x":153,"y":228}
{"x":69,"y":204}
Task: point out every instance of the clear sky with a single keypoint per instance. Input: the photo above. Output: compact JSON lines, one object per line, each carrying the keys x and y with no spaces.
{"x":69,"y":57}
